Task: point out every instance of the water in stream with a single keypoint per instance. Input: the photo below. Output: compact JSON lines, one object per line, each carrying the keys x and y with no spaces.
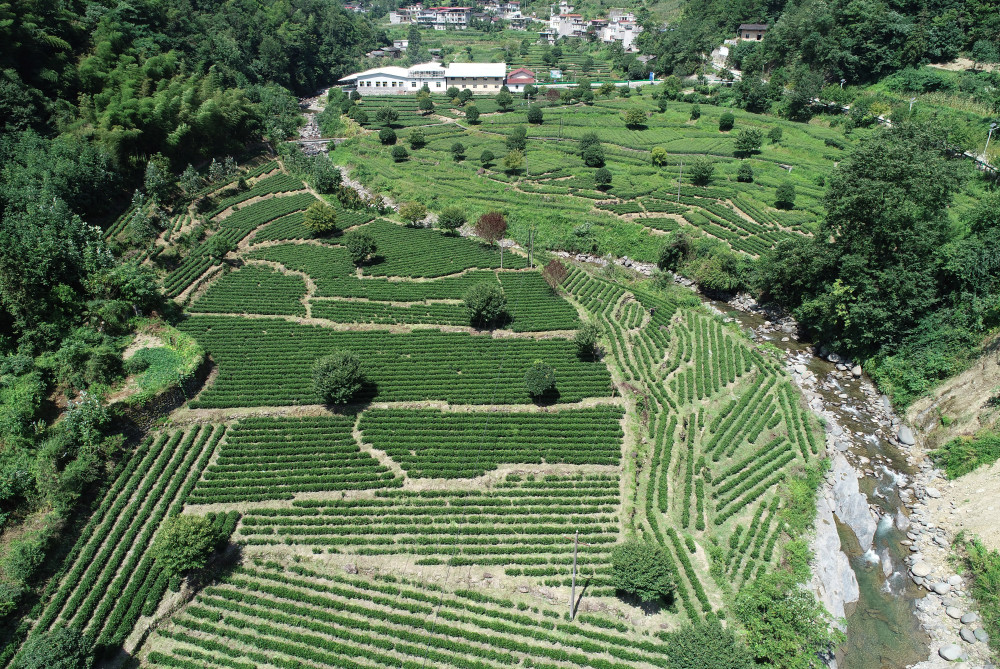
{"x":882,"y":628}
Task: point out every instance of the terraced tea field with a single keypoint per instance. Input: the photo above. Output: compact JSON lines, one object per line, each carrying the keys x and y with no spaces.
{"x":555,"y":193}
{"x":431,"y":520}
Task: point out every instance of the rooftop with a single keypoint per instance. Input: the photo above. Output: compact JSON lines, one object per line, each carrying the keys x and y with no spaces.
{"x":753,"y":26}
{"x":476,"y":70}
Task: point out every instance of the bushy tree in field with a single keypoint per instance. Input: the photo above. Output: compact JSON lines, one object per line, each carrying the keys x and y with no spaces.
{"x":784,"y":196}
{"x":701,"y":171}
{"x":413,"y":212}
{"x":387,"y":136}
{"x":748,"y":141}
{"x":58,"y":648}
{"x":325,"y":176}
{"x":775,"y":134}
{"x":707,"y":645}
{"x":659,"y":156}
{"x":586,"y":339}
{"x":588,"y":97}
{"x":535,"y":114}
{"x":320,"y":218}
{"x":451,"y":219}
{"x":458,"y":152}
{"x":642,"y":568}
{"x":491,"y":227}
{"x":184,"y":543}
{"x":386,"y":116}
{"x":361,"y":246}
{"x":635,"y":118}
{"x":726,"y":121}
{"x":593,"y":156}
{"x":505,"y":101}
{"x":786,"y":627}
{"x":695,"y":112}
{"x":530,"y":91}
{"x":487,"y":304}
{"x":465,"y":95}
{"x":452,"y":92}
{"x":418,"y":139}
{"x":540,"y":379}
{"x":218,"y":247}
{"x":425,"y":105}
{"x":472,"y":114}
{"x":517,"y":140}
{"x":554,"y":273}
{"x":486,"y":158}
{"x":606,"y":89}
{"x":399,"y":153}
{"x":744,"y":173}
{"x":337,"y":377}
{"x":513,"y":161}
{"x":190,"y":180}
{"x":602,"y":178}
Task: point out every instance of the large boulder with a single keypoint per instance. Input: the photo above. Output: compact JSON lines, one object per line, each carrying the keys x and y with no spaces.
{"x":951,"y":652}
{"x":833,"y":579}
{"x":850,"y":504}
{"x":905,"y":435}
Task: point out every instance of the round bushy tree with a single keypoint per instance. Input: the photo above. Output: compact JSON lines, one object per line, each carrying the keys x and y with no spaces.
{"x":745,"y":172}
{"x":505,"y":101}
{"x":425,"y":105}
{"x":784,"y":197}
{"x":487,"y":304}
{"x":184,"y":543}
{"x":586,"y":339}
{"x":337,"y":377}
{"x":748,"y":141}
{"x":635,"y":118}
{"x":486,"y":158}
{"x":386,"y":115}
{"x":540,"y":379}
{"x":320,"y":218}
{"x":695,"y":112}
{"x":399,"y":153}
{"x":458,"y":152}
{"x":775,"y":134}
{"x":726,"y":121}
{"x":659,"y":156}
{"x":491,"y":226}
{"x":602,"y":178}
{"x":413,"y":212}
{"x":361,"y":246}
{"x":535,"y":114}
{"x":387,"y":136}
{"x":57,"y":648}
{"x":418,"y":139}
{"x":593,"y":156}
{"x":472,"y":114}
{"x":701,"y":171}
{"x":451,"y":219}
{"x":642,"y":568}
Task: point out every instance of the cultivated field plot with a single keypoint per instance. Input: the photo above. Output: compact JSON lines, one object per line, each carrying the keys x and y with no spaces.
{"x":556,"y":194}
{"x":265,"y":615}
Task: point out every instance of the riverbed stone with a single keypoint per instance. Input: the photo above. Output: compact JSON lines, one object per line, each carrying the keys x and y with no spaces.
{"x":970,"y":618}
{"x":981,"y":635}
{"x":932,"y":492}
{"x":921,"y":569}
{"x":905,"y":435}
{"x":856,"y":370}
{"x":954,"y":580}
{"x":851,"y":505}
{"x":951,"y":652}
{"x":941,"y":588}
{"x":953,"y":612}
{"x":967,"y":635}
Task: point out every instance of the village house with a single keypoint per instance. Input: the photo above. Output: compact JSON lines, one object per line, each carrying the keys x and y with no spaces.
{"x":519,"y":78}
{"x":752,"y":31}
{"x":480,"y":78}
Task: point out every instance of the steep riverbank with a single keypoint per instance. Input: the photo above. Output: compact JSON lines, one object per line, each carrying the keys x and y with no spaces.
{"x":883,"y":529}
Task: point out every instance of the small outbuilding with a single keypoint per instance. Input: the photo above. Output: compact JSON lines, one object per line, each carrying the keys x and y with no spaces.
{"x":752,"y":31}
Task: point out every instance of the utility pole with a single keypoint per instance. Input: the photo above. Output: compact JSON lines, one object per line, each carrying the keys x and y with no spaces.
{"x":912,"y":100}
{"x":679,"y":177}
{"x":993,"y":126}
{"x":572,"y":595}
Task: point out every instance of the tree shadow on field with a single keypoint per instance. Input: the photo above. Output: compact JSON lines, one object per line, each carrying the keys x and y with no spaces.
{"x":648,"y":608}
{"x":361,"y":401}
{"x":549,"y":398}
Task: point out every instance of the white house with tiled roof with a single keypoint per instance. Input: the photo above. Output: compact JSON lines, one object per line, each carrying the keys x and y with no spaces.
{"x":480,"y":78}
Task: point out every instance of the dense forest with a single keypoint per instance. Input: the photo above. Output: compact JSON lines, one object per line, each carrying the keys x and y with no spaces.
{"x":858,"y":40}
{"x":99,"y":100}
